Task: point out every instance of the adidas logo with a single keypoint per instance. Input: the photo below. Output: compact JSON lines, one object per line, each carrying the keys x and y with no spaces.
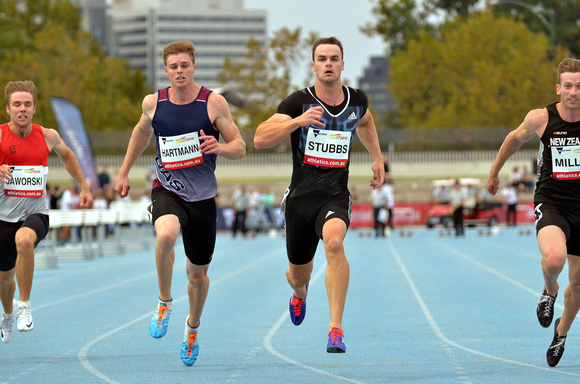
{"x":352,"y":116}
{"x":328,"y":214}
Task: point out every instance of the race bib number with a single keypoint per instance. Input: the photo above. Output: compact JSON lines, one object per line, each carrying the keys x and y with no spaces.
{"x":27,"y":181}
{"x":326,"y":148}
{"x":566,"y":162}
{"x":180,"y":151}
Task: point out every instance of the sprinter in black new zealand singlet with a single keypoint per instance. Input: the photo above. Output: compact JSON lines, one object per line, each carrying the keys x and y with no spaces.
{"x":556,"y":199}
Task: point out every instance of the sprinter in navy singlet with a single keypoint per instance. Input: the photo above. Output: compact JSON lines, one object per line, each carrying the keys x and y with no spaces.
{"x":187,"y":120}
{"x":321,"y":122}
{"x":556,"y":199}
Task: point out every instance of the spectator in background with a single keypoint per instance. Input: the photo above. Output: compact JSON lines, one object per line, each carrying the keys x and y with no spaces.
{"x":389,"y":188}
{"x":240,"y":204}
{"x":510,"y":195}
{"x":457,"y":198}
{"x":104,"y":177}
{"x":515,"y":177}
{"x":265,"y":210}
{"x":528,"y":180}
{"x":379,"y":203}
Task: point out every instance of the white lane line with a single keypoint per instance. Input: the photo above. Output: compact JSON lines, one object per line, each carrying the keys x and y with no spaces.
{"x":284,"y":317}
{"x":489,"y":270}
{"x":437,"y":330}
{"x":83,"y":353}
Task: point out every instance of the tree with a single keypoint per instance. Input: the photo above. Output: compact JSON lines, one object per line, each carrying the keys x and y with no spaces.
{"x":467,"y":79}
{"x":264,"y":76}
{"x":565,"y":19}
{"x":106,"y":90}
{"x":401,"y":21}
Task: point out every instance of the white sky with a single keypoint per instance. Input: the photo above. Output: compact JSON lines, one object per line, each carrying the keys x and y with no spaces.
{"x":340,"y":18}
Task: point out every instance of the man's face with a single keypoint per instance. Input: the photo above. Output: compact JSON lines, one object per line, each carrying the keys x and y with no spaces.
{"x":328,"y":63}
{"x":569,"y":89}
{"x":21,"y":108}
{"x":180,"y":69}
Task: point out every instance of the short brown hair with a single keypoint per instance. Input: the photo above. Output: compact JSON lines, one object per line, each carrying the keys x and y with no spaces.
{"x":19,"y":86}
{"x":568,"y":65}
{"x":327,"y":40}
{"x":179,"y":47}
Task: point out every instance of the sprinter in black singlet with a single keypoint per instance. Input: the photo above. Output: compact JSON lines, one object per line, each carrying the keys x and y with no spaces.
{"x":321,"y":122}
{"x":556,"y":199}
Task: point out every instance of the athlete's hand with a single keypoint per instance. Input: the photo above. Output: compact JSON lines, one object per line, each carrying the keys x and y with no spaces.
{"x":85,"y":199}
{"x":122,"y":187}
{"x":378,"y":169}
{"x":5,"y":174}
{"x":210,"y":144}
{"x":492,"y":184}
{"x":312,"y":117}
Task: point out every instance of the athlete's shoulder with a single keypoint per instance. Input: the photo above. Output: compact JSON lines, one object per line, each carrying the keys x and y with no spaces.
{"x":358,"y":95}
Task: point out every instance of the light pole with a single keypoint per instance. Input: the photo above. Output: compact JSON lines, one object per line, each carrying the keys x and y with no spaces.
{"x":549,"y":23}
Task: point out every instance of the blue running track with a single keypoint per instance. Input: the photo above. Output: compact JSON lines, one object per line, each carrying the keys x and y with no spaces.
{"x":422,"y":309}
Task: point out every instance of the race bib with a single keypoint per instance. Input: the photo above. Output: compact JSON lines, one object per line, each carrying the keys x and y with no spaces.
{"x":566,"y":162}
{"x":326,"y":148}
{"x":181,"y":151}
{"x":27,"y":181}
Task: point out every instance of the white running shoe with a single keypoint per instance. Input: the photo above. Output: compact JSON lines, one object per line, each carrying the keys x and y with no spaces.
{"x":25,"y":322}
{"x":7,"y":326}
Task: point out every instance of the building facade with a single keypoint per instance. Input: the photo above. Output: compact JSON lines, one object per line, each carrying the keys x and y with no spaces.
{"x":139,"y":29}
{"x":374,"y":82}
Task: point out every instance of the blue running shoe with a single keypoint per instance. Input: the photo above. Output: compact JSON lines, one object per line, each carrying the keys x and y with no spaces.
{"x":335,"y":344}
{"x":298,"y":308}
{"x":160,"y":320}
{"x":189,"y":347}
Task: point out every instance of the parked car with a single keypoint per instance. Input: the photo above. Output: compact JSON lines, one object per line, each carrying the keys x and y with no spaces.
{"x":474,"y":213}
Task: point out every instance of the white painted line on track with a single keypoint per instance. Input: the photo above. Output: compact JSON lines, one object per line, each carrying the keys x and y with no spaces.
{"x":284,"y":317}
{"x":83,"y":352}
{"x":437,"y":330}
{"x":94,"y":291}
{"x":490,"y":270}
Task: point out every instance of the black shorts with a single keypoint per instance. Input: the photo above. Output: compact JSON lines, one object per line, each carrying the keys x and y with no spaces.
{"x":305,"y":215}
{"x":197,"y":220}
{"x":37,"y":222}
{"x":565,"y":218}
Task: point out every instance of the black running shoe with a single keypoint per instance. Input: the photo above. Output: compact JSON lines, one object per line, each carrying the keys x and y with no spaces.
{"x":545,"y":310}
{"x":556,"y":349}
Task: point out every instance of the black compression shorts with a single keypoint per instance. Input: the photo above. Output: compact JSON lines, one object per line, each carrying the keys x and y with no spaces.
{"x":197,"y":220}
{"x":38,"y":223}
{"x":304,"y":218}
{"x":565,"y":218}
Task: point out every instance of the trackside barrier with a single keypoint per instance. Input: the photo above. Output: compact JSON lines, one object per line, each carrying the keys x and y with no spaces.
{"x":95,"y":233}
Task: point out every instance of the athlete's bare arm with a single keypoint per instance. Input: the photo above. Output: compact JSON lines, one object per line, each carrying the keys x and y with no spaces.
{"x":272,"y":131}
{"x":367,"y":133}
{"x":140,"y":139}
{"x":221,"y":118}
{"x":55,"y":143}
{"x":533,"y":125}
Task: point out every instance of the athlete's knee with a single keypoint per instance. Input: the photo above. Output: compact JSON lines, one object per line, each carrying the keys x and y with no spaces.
{"x":166,"y":236}
{"x":6,"y":278}
{"x":573,"y":289}
{"x":197,"y":276}
{"x":333,"y":244}
{"x":554,"y":262}
{"x":25,"y":241}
